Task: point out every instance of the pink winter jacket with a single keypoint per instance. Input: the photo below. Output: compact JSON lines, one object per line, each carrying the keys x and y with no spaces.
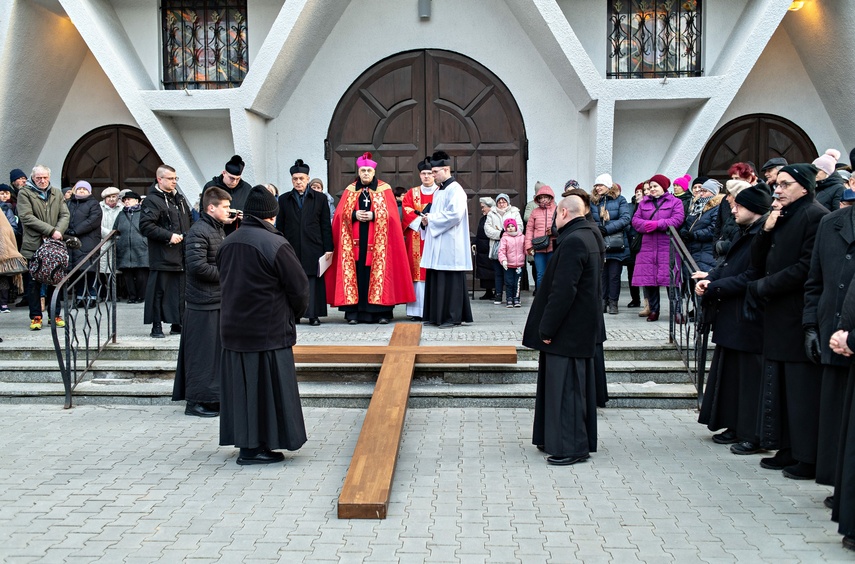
{"x":512,"y":249}
{"x":540,"y":221}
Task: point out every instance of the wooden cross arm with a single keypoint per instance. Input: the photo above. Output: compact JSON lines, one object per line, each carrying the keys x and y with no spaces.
{"x":313,"y":354}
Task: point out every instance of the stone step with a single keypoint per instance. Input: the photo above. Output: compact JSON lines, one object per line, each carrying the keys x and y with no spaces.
{"x":355,"y":394}
{"x":525,"y":371}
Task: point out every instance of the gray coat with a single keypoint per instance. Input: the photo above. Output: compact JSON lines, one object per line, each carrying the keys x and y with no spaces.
{"x":131,"y":245}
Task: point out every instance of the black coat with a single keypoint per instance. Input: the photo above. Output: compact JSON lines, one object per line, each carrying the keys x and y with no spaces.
{"x":568,"y":305}
{"x":161,"y":216}
{"x":84,"y":222}
{"x":782,"y":257}
{"x":829,"y":191}
{"x":309,"y":229}
{"x":483,"y":265}
{"x":832,"y":267}
{"x":200,"y":259}
{"x":238,"y":194}
{"x":728,"y":230}
{"x":263,"y":289}
{"x":131,"y":244}
{"x":725,"y":295}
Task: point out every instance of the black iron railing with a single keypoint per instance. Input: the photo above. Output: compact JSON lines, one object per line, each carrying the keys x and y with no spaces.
{"x":686,"y":327}
{"x":88,"y":297}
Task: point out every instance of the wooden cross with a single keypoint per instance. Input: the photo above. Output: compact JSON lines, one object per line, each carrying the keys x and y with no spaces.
{"x":366,"y":490}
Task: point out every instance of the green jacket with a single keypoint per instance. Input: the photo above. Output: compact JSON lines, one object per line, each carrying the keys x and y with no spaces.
{"x":40,"y":218}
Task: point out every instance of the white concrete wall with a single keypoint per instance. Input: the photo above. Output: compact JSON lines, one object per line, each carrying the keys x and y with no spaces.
{"x":550,"y":119}
{"x":91,"y":103}
{"x":642,"y":138}
{"x":210,"y":142}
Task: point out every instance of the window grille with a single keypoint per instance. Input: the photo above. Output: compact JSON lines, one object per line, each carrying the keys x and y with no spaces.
{"x":204,"y":44}
{"x":654,"y":38}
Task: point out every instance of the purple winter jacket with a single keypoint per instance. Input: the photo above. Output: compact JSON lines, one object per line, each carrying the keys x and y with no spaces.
{"x":651,"y":264}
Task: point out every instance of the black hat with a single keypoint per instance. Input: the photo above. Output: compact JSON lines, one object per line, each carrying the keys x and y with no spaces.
{"x":757,"y":198}
{"x":425,"y":164}
{"x":5,"y":188}
{"x":130,"y":194}
{"x":772,"y":163}
{"x":804,"y":174}
{"x":300,"y":166}
{"x":698,"y":180}
{"x":440,"y":158}
{"x":15,"y":174}
{"x":261,"y":203}
{"x":235,"y":166}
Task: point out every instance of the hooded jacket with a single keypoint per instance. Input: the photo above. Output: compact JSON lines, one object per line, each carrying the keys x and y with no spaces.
{"x":540,"y":221}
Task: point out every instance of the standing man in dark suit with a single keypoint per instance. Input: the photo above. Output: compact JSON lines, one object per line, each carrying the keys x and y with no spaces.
{"x":304,"y":219}
{"x":563,"y":325}
{"x":781,"y":253}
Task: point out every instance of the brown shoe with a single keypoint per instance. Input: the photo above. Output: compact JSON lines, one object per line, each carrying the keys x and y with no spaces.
{"x":654,"y":316}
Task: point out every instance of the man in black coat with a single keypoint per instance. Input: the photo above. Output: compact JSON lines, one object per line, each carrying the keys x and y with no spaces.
{"x":197,"y":377}
{"x":304,"y":219}
{"x":264,"y":291}
{"x":563,"y":325}
{"x":781,"y":253}
{"x":831,"y":270}
{"x":732,"y":393}
{"x":164,"y":220}
{"x":235,"y":186}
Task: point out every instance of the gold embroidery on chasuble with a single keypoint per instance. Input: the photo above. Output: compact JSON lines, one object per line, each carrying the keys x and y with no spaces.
{"x":348,"y":258}
{"x":381,"y":244}
{"x":415,"y":254}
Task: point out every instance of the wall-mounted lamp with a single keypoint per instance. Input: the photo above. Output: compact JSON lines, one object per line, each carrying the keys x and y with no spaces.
{"x":424,"y":9}
{"x":796,"y":5}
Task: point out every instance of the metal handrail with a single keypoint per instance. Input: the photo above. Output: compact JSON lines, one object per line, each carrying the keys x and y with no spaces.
{"x":89,"y":317}
{"x":689,"y":333}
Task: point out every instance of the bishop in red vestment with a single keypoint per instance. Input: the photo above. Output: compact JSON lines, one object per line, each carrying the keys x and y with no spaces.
{"x":416,"y":204}
{"x":369,"y":273}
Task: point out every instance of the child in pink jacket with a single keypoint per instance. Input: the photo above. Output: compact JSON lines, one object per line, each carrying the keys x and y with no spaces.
{"x":512,"y":258}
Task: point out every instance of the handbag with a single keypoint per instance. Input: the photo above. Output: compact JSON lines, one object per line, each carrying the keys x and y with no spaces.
{"x":494,"y":250}
{"x":540,"y":243}
{"x":614,"y":242}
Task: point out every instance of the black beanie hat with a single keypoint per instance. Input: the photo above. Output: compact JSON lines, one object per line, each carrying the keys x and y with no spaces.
{"x":698,"y":180}
{"x":235,"y":166}
{"x":757,"y":198}
{"x":15,"y":174}
{"x":440,"y":158}
{"x":5,"y":188}
{"x":300,"y":166}
{"x":804,"y":174}
{"x":261,"y":203}
{"x":425,"y":164}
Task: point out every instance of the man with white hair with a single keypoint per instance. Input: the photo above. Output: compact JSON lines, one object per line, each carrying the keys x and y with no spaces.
{"x":43,"y":214}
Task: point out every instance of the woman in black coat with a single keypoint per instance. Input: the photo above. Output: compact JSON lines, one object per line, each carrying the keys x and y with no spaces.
{"x":84,"y":223}
{"x":132,"y":248}
{"x":483,"y":267}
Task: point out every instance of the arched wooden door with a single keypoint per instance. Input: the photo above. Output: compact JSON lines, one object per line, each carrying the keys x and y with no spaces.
{"x":756,"y":138}
{"x":113,"y":155}
{"x":414,"y":103}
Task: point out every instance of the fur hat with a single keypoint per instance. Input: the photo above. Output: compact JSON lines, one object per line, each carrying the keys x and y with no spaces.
{"x":299,"y":167}
{"x":827,"y":162}
{"x":260,"y":203}
{"x":365,"y":160}
{"x":757,"y":198}
{"x":661,"y":180}
{"x":235,"y":166}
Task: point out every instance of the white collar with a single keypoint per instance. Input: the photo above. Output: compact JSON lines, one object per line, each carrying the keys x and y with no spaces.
{"x":428,"y":190}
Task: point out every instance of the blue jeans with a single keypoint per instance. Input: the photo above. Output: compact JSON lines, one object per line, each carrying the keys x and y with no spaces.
{"x":512,"y":280}
{"x":500,"y":278}
{"x":540,"y":261}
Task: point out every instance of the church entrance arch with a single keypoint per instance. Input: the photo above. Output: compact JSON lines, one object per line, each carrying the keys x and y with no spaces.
{"x":414,"y":103}
{"x":112,"y":155}
{"x":756,"y":138}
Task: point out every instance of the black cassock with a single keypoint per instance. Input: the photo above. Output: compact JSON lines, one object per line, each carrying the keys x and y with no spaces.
{"x":197,"y":377}
{"x":731,"y":393}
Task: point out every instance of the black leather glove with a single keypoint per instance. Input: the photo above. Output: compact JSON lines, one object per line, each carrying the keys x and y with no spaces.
{"x":721,"y":248}
{"x":751,"y":305}
{"x":602,"y":230}
{"x":813,"y":349}
{"x":689,"y":236}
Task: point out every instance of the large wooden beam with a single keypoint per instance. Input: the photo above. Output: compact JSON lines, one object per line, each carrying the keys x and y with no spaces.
{"x":365,"y":494}
{"x":423,"y":355}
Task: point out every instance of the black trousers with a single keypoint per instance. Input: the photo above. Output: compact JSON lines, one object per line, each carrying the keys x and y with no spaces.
{"x":611,"y":279}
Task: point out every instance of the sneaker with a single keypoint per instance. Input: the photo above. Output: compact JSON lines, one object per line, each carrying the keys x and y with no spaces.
{"x":58,"y":321}
{"x":497,"y":301}
{"x":510,"y":304}
{"x":5,"y":309}
{"x":517,"y":303}
{"x":36,"y":323}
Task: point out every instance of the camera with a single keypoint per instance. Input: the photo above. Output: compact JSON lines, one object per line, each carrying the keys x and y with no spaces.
{"x":234,"y":213}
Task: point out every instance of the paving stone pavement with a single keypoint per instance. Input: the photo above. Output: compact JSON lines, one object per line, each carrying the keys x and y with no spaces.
{"x":145,"y":484}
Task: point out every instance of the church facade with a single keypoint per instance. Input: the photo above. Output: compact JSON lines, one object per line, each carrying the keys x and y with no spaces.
{"x":517,"y":91}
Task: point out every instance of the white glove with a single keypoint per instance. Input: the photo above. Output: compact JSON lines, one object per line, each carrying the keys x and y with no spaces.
{"x":505,"y":264}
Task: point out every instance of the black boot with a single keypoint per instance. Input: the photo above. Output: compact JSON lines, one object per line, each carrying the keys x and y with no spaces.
{"x":157,"y":331}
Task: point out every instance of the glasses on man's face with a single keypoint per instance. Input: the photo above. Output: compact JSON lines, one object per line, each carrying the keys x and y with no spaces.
{"x":170,"y":178}
{"x":786,"y":183}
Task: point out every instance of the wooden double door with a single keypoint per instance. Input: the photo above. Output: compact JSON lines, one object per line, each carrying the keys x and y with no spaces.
{"x":755,"y":138}
{"x":113,"y":155}
{"x":409,"y":105}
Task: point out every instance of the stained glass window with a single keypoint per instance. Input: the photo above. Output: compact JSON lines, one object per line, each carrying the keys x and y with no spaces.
{"x":654,"y":38}
{"x":204,"y":44}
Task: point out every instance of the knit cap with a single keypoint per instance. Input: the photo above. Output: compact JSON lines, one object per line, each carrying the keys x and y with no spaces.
{"x":511,"y":221}
{"x":712,"y":185}
{"x":827,"y":162}
{"x":661,"y":180}
{"x":804,"y":174}
{"x":83,"y":184}
{"x":260,"y":203}
{"x":757,"y":198}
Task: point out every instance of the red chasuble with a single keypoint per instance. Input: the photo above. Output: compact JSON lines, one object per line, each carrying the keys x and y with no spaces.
{"x":414,"y":201}
{"x":390,"y":282}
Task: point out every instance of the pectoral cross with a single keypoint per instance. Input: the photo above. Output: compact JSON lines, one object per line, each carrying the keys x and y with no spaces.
{"x":367,"y":200}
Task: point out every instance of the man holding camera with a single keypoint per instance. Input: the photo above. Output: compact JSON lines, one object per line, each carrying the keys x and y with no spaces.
{"x":164,"y":220}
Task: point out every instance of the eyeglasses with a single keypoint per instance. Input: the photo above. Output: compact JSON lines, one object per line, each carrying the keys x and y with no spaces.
{"x":786,"y":183}
{"x":170,"y":178}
